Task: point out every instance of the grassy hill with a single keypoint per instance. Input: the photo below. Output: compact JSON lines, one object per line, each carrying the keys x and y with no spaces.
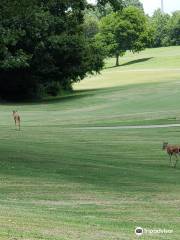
{"x":61,"y":181}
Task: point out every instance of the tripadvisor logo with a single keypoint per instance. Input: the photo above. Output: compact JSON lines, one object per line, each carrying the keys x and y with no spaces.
{"x":139,"y":231}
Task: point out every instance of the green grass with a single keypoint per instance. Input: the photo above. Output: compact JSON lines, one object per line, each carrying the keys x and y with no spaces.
{"x":62,"y":183}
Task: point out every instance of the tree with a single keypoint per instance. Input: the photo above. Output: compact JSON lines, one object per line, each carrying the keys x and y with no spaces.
{"x":160,"y":22}
{"x":91,"y":23}
{"x":122,"y":31}
{"x":105,"y":7}
{"x":42,"y":46}
{"x":116,"y":4}
{"x":174,"y":28}
{"x":135,"y":3}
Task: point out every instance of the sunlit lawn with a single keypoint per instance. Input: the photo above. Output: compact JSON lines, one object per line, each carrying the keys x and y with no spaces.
{"x":60,"y":181}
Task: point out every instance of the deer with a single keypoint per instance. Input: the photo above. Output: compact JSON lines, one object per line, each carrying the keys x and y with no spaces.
{"x":171,"y":150}
{"x":17,"y":119}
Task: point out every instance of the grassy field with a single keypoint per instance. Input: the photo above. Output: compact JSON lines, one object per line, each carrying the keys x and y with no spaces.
{"x":60,"y":181}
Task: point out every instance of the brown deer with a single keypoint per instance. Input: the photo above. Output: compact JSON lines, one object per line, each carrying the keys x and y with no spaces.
{"x":171,"y":151}
{"x":17,"y":119}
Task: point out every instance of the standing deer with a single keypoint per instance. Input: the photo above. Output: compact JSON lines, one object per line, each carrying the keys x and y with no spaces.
{"x":17,"y":119}
{"x":171,"y":151}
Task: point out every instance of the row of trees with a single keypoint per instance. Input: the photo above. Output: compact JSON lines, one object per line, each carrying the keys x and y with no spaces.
{"x":130,"y":29}
{"x":47,"y":45}
{"x":165,"y":29}
{"x":117,"y":30}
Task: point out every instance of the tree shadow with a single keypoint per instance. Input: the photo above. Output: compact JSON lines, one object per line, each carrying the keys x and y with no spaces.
{"x":50,"y":100}
{"x":74,"y":96}
{"x":132,"y":62}
{"x":136,"y":61}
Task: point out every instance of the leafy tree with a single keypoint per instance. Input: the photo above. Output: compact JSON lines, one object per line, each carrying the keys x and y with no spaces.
{"x":160,"y":26}
{"x":91,"y":23}
{"x":43,"y":47}
{"x":135,"y":3}
{"x":115,"y":4}
{"x":123,"y":30}
{"x":105,"y":7}
{"x":174,"y":28}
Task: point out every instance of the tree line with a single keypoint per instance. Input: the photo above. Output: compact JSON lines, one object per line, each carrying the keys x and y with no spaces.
{"x":130,"y":29}
{"x":47,"y":45}
{"x":165,"y":29}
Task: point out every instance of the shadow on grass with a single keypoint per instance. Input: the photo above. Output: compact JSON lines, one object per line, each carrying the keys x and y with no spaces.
{"x":132,"y":62}
{"x":76,"y":95}
{"x":65,"y":98}
{"x":50,"y":100}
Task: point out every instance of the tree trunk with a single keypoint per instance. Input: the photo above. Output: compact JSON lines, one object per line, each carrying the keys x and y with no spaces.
{"x":117,"y":60}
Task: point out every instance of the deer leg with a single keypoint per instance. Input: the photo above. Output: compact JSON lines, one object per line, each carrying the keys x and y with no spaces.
{"x":176,"y":161}
{"x":170,"y":162}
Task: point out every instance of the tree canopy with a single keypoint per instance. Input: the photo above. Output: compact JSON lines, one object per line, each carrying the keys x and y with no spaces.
{"x":174,"y":28}
{"x":116,"y":4}
{"x":123,"y":30}
{"x":159,"y":22}
{"x":43,"y":47}
{"x":135,"y":3}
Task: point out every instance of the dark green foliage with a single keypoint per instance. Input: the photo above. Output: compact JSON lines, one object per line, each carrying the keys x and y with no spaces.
{"x":43,"y":42}
{"x":53,"y":88}
{"x":159,"y":22}
{"x":174,"y":28}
